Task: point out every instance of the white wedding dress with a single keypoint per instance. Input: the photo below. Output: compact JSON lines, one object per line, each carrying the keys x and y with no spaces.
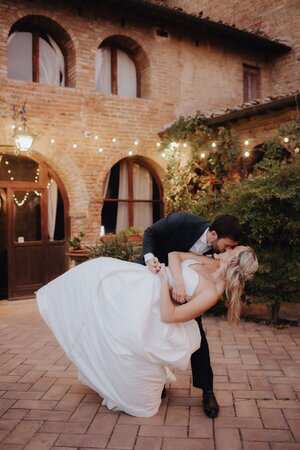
{"x":105,"y":314}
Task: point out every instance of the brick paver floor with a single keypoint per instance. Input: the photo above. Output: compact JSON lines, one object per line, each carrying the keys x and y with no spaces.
{"x":43,"y":406}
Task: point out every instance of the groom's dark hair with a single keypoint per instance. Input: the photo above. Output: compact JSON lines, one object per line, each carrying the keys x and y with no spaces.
{"x":226,"y":225}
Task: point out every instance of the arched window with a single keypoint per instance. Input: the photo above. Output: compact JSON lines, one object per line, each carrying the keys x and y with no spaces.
{"x":35,"y":56}
{"x":132,"y":197}
{"x":116,"y":72}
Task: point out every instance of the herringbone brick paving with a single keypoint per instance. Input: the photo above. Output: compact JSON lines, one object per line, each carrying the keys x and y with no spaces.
{"x":43,"y":406}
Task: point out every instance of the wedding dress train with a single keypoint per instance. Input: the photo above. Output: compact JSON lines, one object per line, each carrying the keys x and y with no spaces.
{"x":105,"y":314}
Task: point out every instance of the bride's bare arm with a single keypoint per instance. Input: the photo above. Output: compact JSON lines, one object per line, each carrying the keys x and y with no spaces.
{"x":194,"y":308}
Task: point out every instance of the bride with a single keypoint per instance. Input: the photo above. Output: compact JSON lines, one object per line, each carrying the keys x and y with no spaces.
{"x":118,"y":323}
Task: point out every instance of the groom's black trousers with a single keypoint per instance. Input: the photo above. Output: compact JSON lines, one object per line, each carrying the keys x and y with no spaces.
{"x":200,"y":361}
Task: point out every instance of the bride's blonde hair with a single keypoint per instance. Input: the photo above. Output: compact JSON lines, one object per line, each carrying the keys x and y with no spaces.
{"x":240,"y":268}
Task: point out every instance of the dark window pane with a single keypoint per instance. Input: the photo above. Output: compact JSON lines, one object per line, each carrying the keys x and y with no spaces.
{"x":113,"y":184}
{"x":59,"y":232}
{"x":27,"y":216}
{"x":18,"y":168}
{"x":109,"y":216}
{"x":251,"y":82}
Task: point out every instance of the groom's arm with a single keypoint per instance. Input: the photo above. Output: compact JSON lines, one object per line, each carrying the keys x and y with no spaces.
{"x":161,"y":231}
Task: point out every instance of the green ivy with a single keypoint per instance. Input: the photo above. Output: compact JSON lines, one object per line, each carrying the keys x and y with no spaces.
{"x":267,"y":202}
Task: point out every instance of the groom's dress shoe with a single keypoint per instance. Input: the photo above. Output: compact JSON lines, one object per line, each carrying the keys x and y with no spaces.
{"x":210,"y":404}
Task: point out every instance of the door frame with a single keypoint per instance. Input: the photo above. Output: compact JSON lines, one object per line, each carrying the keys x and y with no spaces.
{"x":41,"y":185}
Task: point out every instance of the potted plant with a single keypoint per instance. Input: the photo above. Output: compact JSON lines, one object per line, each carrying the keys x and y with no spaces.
{"x":76,"y":253}
{"x":133,"y":234}
{"x":74,"y":243}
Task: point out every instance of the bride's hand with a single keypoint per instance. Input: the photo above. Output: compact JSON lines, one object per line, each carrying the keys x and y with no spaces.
{"x":162,"y":273}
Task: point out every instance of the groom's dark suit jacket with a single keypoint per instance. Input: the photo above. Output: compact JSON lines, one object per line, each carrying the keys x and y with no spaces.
{"x":177,"y":232}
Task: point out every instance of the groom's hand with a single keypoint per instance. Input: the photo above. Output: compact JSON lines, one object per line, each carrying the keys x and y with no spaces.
{"x":153,"y":265}
{"x":178,"y":294}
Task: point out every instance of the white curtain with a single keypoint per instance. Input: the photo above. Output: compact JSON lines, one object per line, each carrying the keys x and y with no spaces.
{"x":142,"y":190}
{"x":19,"y":53}
{"x":52,"y":208}
{"x":103,"y":70}
{"x":122,"y":216}
{"x":52,"y":64}
{"x":127,"y":80}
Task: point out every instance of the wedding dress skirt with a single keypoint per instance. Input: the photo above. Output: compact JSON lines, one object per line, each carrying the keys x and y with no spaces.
{"x":105,"y":314}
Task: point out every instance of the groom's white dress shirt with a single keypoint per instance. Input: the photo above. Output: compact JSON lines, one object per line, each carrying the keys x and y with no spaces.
{"x":201,"y":246}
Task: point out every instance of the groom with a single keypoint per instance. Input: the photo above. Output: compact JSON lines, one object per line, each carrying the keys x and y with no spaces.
{"x":186,"y":232}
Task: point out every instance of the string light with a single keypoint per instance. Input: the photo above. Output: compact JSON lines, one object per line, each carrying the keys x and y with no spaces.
{"x":6,"y":162}
{"x":247,"y":154}
{"x":246,"y":142}
{"x":100,"y":149}
{"x":202,"y":155}
{"x":130,"y":153}
{"x":20,"y":203}
{"x":185,"y":145}
{"x":297,"y":150}
{"x":136,"y":142}
{"x":52,"y":141}
{"x":114,"y":140}
{"x":163,"y":155}
{"x":213,"y":145}
{"x":286,"y":140}
{"x":157,"y":144}
{"x":74,"y":145}
{"x":96,"y":137}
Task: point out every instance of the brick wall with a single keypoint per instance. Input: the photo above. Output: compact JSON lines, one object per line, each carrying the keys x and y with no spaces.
{"x":181,"y":79}
{"x":279,"y":20}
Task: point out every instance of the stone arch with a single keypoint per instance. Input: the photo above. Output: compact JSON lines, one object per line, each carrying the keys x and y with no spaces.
{"x":110,"y":196}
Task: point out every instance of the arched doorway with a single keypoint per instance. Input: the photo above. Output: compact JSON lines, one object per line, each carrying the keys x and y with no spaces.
{"x":33,"y":226}
{"x":133,"y":196}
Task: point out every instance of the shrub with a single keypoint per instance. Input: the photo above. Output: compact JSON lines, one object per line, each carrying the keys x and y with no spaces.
{"x":114,"y":246}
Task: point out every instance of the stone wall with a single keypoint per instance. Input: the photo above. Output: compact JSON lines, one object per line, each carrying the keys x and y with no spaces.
{"x":180,"y":77}
{"x":279,"y":20}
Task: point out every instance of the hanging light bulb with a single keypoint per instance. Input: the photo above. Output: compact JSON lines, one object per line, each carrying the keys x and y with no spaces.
{"x":22,"y":136}
{"x":247,"y":154}
{"x":286,"y":139}
{"x":157,"y":144}
{"x":202,"y":155}
{"x":246,"y":142}
{"x":213,"y":145}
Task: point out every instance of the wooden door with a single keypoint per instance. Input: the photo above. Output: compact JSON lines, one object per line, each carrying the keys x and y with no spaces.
{"x":28,"y":256}
{"x":27,"y":241}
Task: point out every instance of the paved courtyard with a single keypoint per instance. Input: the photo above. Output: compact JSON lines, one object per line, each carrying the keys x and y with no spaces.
{"x":43,"y":406}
